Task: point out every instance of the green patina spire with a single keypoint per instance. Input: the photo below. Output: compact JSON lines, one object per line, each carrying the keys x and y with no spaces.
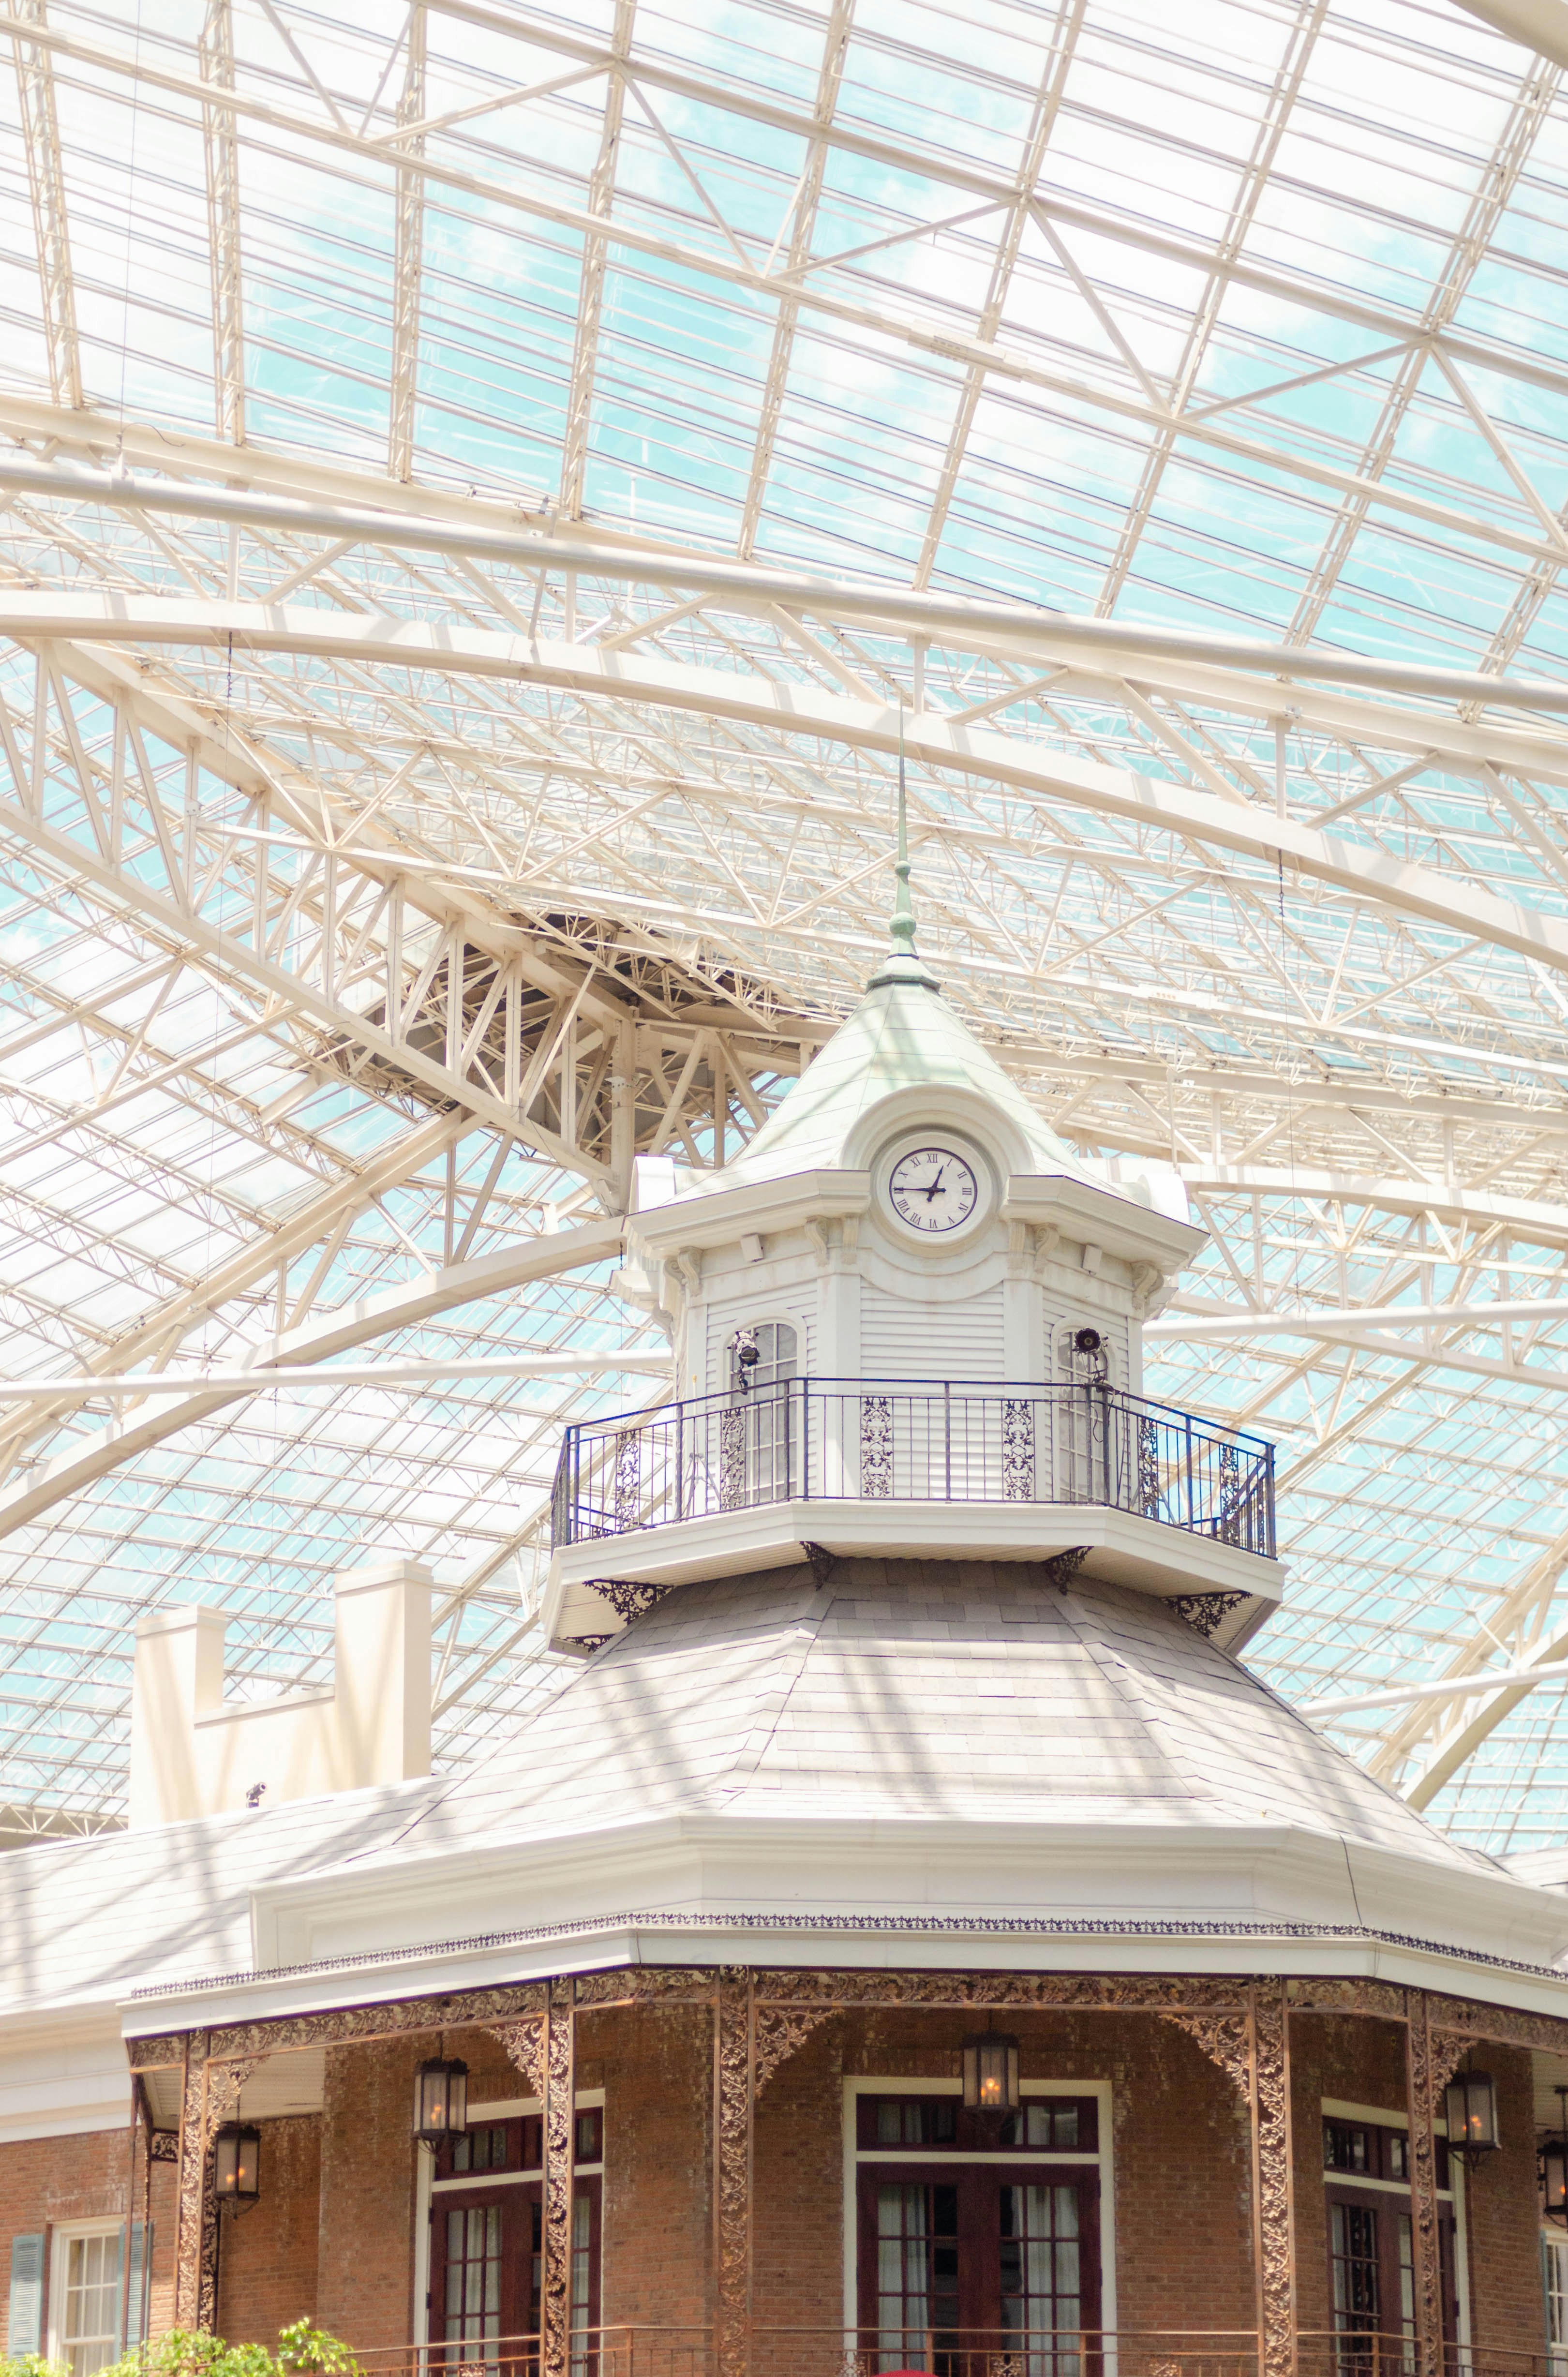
{"x":901,"y":964}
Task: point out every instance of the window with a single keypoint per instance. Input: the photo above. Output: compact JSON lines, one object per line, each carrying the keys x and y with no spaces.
{"x":978,"y":2237}
{"x":485,"y":2251}
{"x":1554,"y":2279}
{"x":759,"y":1453}
{"x":915,"y":2121}
{"x":481,"y":2149}
{"x":474,"y":2274}
{"x":1042,"y":2298}
{"x":1355,"y":2261}
{"x":85,"y":2298}
{"x":1371,"y":2266}
{"x":917,"y":2306}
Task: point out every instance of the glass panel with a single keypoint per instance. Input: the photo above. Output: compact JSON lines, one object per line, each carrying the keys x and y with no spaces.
{"x":474,"y":2275}
{"x":917,"y":2273}
{"x":1042,"y":2302}
{"x":90,"y":2321}
{"x":1554,"y":2273}
{"x":581,"y":2282}
{"x":757,"y":1457}
{"x":1358,"y":2306}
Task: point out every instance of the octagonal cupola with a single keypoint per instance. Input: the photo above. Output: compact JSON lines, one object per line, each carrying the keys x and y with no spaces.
{"x":909,"y":1314}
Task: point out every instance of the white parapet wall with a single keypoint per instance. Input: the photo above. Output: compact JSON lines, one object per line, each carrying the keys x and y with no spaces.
{"x":192,"y":1755}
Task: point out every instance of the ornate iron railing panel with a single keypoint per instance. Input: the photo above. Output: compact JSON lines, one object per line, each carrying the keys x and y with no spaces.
{"x":877,"y":1440}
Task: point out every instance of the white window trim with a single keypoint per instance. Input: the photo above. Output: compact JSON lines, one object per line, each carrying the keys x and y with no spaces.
{"x":905,"y":2084}
{"x":62,"y":2234}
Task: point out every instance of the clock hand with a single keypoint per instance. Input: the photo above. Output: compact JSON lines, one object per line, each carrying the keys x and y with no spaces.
{"x":931,"y":1192}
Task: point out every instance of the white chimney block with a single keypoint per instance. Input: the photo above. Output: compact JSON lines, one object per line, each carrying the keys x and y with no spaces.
{"x":193,"y":1756}
{"x":178,"y":1676}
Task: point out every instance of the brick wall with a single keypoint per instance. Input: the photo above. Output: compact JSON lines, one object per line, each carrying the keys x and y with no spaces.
{"x":364,"y":2251}
{"x":43,"y":2181}
{"x":267,"y":2262}
{"x":1502,"y":2215}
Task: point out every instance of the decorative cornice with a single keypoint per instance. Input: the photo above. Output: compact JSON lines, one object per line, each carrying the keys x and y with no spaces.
{"x":940,"y":1926}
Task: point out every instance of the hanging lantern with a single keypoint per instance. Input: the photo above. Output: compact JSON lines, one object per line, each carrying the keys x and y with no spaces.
{"x":990,"y":2072}
{"x":440,"y":2099}
{"x":236,"y":2164}
{"x":1554,"y":2168}
{"x":1472,"y":2116}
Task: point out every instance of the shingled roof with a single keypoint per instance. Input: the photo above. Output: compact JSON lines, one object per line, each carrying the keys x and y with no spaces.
{"x":1039,"y":1751}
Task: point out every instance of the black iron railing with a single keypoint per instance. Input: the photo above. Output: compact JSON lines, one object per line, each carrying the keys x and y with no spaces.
{"x":875,"y":1440}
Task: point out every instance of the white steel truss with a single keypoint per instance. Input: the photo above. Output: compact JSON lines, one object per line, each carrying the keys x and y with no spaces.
{"x":489,"y":497}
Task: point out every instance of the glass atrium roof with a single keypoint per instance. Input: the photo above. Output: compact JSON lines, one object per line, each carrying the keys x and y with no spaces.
{"x":490,"y":491}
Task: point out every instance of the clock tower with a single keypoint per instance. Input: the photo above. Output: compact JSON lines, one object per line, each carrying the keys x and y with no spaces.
{"x":907,"y":1320}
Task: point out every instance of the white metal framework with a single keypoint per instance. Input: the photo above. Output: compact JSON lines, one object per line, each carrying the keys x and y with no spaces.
{"x":490,"y":489}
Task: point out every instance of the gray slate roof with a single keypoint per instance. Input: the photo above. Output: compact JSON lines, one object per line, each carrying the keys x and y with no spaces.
{"x":924,"y":1691}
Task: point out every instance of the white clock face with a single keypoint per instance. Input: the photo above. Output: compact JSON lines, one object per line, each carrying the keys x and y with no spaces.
{"x":932,"y":1189}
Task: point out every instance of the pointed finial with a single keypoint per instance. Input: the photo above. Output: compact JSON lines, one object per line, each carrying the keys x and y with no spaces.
{"x":902,"y":963}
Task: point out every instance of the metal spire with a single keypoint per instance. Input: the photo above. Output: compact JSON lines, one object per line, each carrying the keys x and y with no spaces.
{"x":903,"y":963}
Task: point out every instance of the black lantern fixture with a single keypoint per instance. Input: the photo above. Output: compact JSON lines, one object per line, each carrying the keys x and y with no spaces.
{"x":1472,"y":2116}
{"x":990,"y":2072}
{"x":440,"y":2099}
{"x":1554,"y":2166}
{"x":236,"y":2164}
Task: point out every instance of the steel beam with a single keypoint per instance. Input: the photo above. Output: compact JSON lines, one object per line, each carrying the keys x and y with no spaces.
{"x":334,"y":1333}
{"x":46,"y":186}
{"x":788,"y":708}
{"x":215,"y":49}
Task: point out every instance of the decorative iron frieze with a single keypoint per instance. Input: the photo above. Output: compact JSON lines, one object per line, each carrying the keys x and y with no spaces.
{"x":1112,"y":1992}
{"x":732,"y":2155}
{"x":156,"y":2054}
{"x":779,"y":2031}
{"x":163,"y":2145}
{"x":524,"y":2044}
{"x":394,"y":2018}
{"x":1206,"y":1612}
{"x":1425,"y":2249}
{"x":1274,"y":2163}
{"x":628,"y":1596}
{"x":875,"y":1448}
{"x":192,"y":2197}
{"x":559,"y":2093}
{"x":1017,"y":1449}
{"x":640,"y":1984}
{"x":628,"y":1481}
{"x":1226,"y":2039}
{"x":732,"y":1458}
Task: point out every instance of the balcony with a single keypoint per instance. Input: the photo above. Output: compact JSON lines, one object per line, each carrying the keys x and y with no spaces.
{"x":873,"y":1442}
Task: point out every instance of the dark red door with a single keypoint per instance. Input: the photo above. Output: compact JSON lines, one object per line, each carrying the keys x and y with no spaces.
{"x":957,"y":2257}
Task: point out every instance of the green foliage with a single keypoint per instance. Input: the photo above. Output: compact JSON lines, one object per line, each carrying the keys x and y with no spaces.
{"x":30,"y":2364}
{"x":307,"y":2352}
{"x":303,"y":2351}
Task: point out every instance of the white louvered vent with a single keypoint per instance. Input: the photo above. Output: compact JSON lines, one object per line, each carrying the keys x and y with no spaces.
{"x":902,"y":1339}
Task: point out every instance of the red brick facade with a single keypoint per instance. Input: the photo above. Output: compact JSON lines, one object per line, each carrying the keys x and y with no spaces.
{"x":332,"y":2237}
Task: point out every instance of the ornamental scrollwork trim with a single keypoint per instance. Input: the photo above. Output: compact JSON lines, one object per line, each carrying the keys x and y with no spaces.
{"x":630,"y":1597}
{"x":1047,"y":1991}
{"x":451,"y":2010}
{"x":1271,"y":2081}
{"x":779,"y":2031}
{"x":731,"y":2015}
{"x":1225,"y":2039}
{"x":524,"y":2044}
